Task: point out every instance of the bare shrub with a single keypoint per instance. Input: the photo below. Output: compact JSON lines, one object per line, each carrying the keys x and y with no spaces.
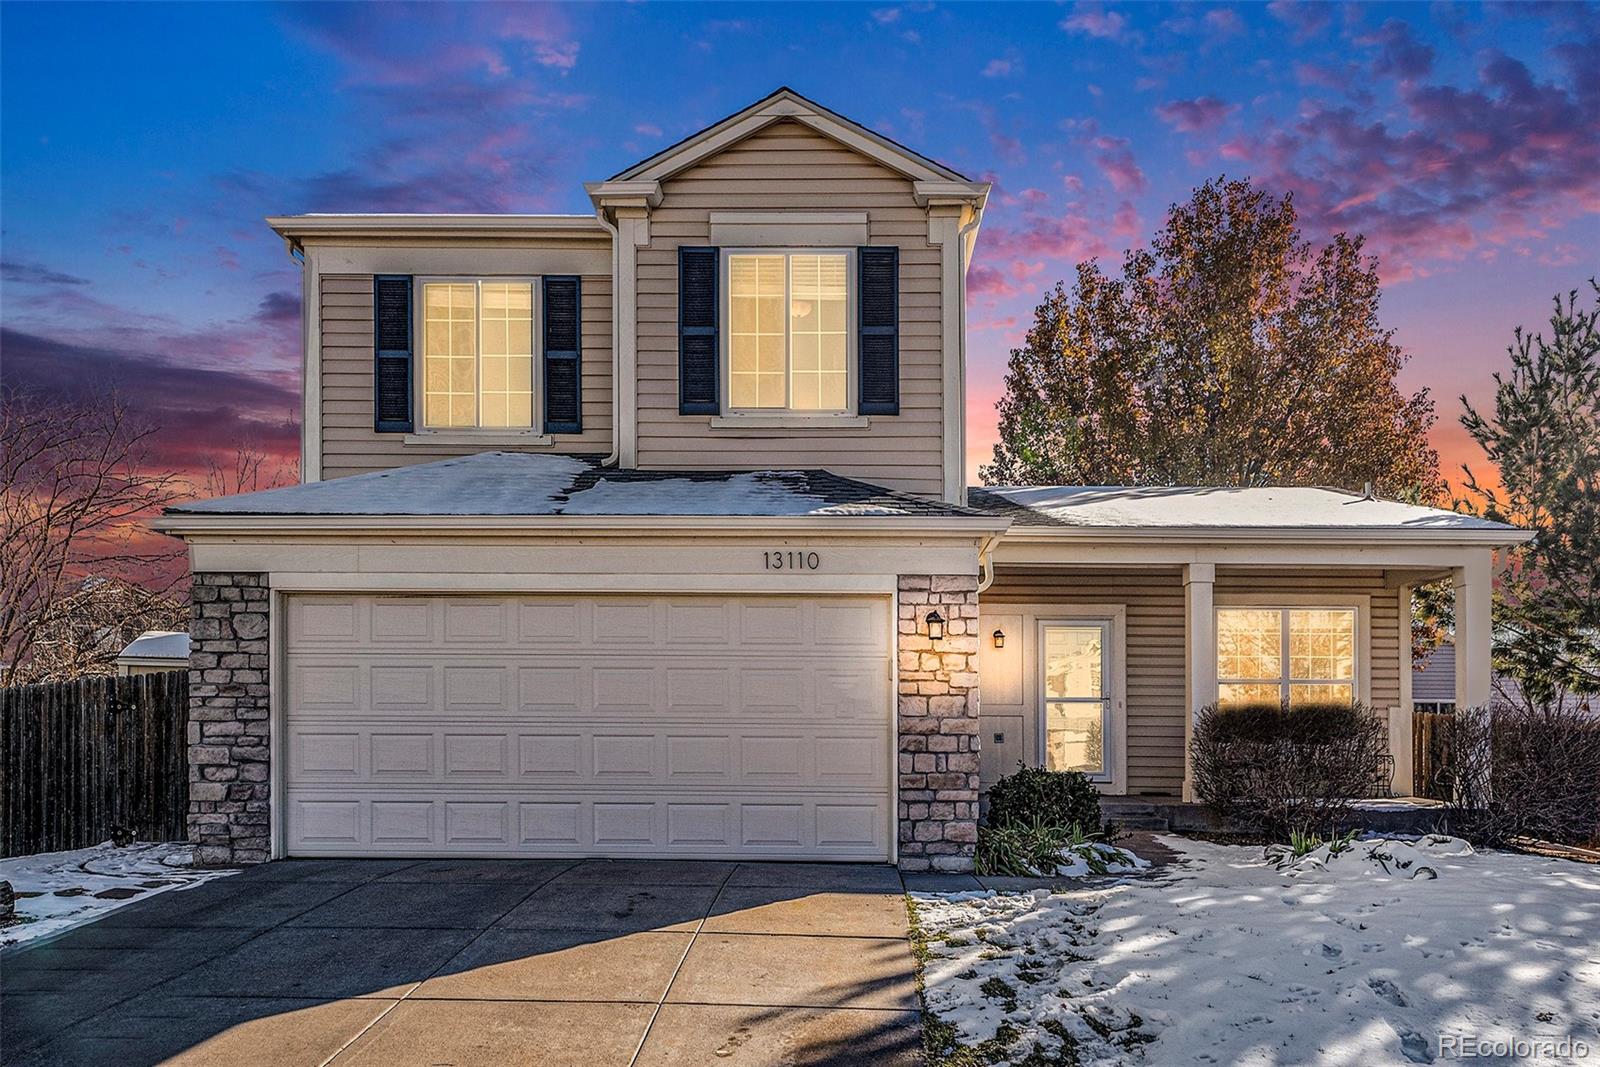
{"x":1279,"y":770}
{"x":1521,"y":771}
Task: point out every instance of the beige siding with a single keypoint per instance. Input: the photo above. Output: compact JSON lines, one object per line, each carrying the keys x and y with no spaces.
{"x":789,"y":166}
{"x":1154,"y":602}
{"x":1154,"y":655}
{"x":349,"y":443}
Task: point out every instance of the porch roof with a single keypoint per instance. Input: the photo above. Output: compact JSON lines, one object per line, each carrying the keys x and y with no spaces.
{"x":1224,"y":510}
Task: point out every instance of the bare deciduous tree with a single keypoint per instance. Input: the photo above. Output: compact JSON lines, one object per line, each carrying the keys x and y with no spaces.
{"x":75,"y":480}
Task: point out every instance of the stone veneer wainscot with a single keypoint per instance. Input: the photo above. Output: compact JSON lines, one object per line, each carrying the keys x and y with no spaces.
{"x":938,"y":712}
{"x":230,"y":786}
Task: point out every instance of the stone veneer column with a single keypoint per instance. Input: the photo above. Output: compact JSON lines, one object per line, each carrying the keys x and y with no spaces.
{"x":229,"y":720}
{"x":938,"y":723}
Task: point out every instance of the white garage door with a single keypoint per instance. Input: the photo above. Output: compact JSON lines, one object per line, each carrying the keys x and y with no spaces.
{"x":610,"y":726}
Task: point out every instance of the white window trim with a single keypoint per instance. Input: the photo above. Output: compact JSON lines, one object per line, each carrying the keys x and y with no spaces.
{"x":1361,"y":605}
{"x":1115,"y":742}
{"x":753,"y":417}
{"x":475,"y":435}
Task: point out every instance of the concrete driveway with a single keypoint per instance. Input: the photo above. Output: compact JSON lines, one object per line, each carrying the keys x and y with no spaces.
{"x":592,"y":962}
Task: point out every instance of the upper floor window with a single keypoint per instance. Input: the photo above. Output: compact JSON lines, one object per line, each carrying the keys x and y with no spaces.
{"x":477,"y":354}
{"x":788,"y":331}
{"x":1299,"y":655}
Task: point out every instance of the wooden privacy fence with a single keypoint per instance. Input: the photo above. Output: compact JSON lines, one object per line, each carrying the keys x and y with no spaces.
{"x":1430,"y":751}
{"x":82,"y":760}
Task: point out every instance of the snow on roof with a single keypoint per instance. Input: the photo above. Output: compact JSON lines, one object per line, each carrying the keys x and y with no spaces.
{"x":157,"y":644}
{"x":1176,"y":507}
{"x":517,"y":483}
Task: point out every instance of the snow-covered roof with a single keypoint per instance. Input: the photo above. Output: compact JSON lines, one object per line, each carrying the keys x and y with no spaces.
{"x":157,"y":644}
{"x":1219,"y":508}
{"x":520,"y":484}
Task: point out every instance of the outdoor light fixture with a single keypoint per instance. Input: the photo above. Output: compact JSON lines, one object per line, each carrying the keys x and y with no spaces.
{"x":999,"y":639}
{"x":935,"y":626}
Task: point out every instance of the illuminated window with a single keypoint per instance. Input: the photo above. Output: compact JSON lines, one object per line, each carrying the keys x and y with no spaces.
{"x":477,"y":355}
{"x":1302,"y":655}
{"x":788,"y":335}
{"x":1077,"y":705}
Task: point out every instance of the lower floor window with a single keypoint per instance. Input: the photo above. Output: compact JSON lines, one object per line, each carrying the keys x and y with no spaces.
{"x":1298,"y":655}
{"x":1077,"y":705}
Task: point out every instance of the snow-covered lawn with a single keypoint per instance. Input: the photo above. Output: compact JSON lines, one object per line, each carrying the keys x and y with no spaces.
{"x":58,"y":890}
{"x":1370,"y":956}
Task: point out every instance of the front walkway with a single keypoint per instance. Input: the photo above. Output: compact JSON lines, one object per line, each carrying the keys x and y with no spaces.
{"x":425,"y":962}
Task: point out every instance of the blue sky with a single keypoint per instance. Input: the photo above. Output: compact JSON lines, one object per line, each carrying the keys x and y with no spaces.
{"x":142,"y":144}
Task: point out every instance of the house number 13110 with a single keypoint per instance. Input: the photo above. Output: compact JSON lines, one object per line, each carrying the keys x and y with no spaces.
{"x":791,"y":561}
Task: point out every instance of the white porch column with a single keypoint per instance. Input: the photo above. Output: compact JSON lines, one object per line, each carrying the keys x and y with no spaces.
{"x":1200,"y":654}
{"x":1400,"y":727}
{"x":1473,"y":585}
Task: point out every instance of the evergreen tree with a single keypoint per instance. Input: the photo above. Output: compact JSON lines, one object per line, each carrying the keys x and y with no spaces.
{"x":1543,"y":436}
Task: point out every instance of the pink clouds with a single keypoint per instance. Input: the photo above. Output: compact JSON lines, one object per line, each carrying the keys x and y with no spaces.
{"x":1115,"y":159}
{"x":1201,"y":114}
{"x":1466,"y":171}
{"x":1092,"y":20}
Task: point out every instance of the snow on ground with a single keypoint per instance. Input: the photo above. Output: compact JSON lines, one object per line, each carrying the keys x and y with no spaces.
{"x":59,"y":890}
{"x":1222,"y":958}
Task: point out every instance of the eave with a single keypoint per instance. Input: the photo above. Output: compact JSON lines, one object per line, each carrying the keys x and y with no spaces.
{"x":191,"y":527}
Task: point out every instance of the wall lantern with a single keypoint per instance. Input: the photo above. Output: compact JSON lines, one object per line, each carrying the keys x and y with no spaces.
{"x":935,"y":626}
{"x":999,"y":639}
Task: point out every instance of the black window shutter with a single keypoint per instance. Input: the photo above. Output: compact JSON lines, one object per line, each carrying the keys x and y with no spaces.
{"x":563,"y":368}
{"x":879,"y":343}
{"x":698,"y":378}
{"x":391,"y":342}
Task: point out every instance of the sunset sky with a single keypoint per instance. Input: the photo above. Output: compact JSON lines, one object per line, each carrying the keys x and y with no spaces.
{"x":142,"y":145}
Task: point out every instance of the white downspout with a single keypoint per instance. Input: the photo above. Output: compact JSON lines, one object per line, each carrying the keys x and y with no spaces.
{"x":616,"y":371}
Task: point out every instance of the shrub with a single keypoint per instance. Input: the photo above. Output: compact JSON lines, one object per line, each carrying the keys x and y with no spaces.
{"x":1279,"y":770}
{"x":1515,"y":771}
{"x":1056,"y":798}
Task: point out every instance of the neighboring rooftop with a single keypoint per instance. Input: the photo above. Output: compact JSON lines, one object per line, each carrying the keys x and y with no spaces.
{"x":520,"y":484}
{"x":1204,"y":507}
{"x":157,"y":644}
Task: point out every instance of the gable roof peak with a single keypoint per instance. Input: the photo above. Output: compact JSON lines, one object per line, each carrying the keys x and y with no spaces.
{"x":786,"y":104}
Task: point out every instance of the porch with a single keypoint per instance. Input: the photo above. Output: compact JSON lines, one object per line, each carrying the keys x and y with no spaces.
{"x":1110,"y":616}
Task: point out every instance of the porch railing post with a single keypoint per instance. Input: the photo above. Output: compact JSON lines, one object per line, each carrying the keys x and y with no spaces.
{"x":1200,"y":655}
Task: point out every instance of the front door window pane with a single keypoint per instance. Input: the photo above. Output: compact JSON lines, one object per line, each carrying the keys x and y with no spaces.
{"x":1074,"y":737}
{"x":1077,"y":707}
{"x":1073,"y":657}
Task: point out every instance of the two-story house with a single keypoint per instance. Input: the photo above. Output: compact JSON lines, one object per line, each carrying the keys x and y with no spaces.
{"x":646,"y":533}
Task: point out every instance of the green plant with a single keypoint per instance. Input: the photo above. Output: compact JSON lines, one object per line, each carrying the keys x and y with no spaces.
{"x":1022,"y":849}
{"x":1058,"y":798}
{"x":1302,"y":843}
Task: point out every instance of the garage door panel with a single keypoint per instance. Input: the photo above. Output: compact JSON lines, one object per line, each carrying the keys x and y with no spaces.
{"x":527,"y":725}
{"x":773,"y":826}
{"x":729,"y":626}
{"x":387,"y":754}
{"x":347,"y":684}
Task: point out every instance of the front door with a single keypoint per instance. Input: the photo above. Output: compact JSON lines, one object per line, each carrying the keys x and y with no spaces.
{"x":1075,"y":720}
